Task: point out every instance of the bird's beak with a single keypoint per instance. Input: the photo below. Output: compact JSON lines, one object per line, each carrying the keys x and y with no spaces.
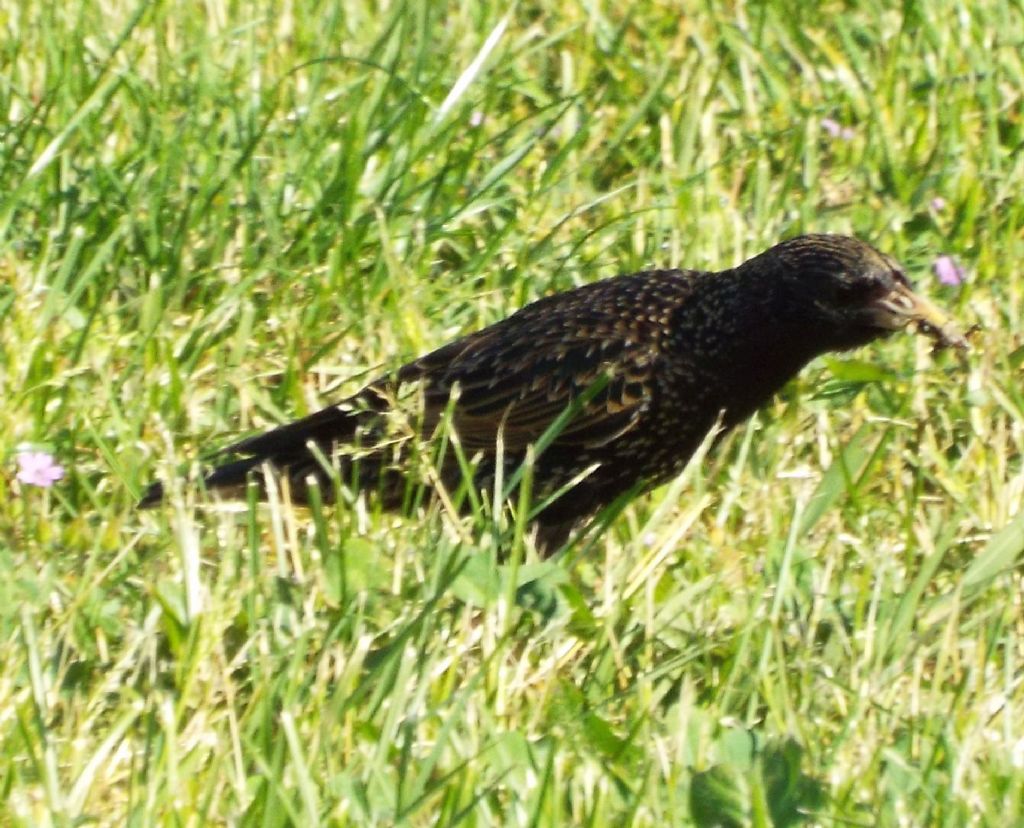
{"x":901,"y":306}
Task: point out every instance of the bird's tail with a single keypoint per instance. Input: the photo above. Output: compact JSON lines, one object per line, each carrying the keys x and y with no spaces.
{"x":286,"y":448}
{"x":221,"y":478}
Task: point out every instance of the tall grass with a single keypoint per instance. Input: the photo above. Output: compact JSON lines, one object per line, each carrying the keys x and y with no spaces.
{"x":215,"y":217}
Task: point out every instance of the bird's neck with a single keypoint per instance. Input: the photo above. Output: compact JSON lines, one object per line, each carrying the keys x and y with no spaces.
{"x":759,"y":342}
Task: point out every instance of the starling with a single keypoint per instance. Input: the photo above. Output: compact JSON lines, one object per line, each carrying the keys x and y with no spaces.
{"x":638,"y":369}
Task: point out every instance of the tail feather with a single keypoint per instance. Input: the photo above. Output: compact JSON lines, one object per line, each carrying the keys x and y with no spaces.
{"x":327,"y":426}
{"x":154,"y":494}
{"x":286,"y":447}
{"x":227,"y":476}
{"x":231,"y":474}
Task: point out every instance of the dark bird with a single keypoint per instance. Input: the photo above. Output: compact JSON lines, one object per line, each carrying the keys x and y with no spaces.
{"x":640,"y":368}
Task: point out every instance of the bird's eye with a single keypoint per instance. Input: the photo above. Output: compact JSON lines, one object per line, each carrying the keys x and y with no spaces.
{"x":900,"y":278}
{"x":863,"y":289}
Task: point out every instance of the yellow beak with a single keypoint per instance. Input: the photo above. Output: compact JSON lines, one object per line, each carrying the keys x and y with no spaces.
{"x":901,"y":306}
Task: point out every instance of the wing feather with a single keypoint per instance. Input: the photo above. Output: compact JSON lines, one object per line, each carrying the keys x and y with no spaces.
{"x":519,"y":388}
{"x":518,"y":376}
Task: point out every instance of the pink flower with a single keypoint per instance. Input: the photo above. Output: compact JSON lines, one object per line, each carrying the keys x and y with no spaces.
{"x":837,"y":130}
{"x":937,"y":203}
{"x":948,"y":271}
{"x":37,"y":468}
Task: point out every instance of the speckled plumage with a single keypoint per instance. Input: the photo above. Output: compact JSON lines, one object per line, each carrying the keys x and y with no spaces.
{"x":662,"y":355}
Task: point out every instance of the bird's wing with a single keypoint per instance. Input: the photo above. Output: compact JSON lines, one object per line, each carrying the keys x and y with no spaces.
{"x":517,"y":377}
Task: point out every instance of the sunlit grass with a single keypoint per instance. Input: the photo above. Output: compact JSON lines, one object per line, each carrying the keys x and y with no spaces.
{"x":217,"y":218}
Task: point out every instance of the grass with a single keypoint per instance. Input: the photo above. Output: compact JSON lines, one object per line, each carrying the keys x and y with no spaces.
{"x":220,"y":216}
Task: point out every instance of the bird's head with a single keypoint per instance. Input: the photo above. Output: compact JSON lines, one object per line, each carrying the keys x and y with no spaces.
{"x":847,"y":293}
